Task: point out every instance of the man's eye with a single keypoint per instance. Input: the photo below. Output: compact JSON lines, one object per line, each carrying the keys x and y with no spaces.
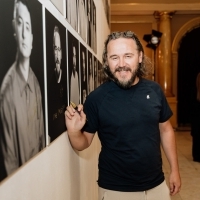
{"x":114,"y":58}
{"x":28,"y":28}
{"x":19,"y":22}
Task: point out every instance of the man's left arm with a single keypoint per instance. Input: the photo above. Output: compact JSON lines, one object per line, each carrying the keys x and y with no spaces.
{"x":169,"y":146}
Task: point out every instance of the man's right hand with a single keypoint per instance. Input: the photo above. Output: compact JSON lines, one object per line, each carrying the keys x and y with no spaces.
{"x":74,"y":119}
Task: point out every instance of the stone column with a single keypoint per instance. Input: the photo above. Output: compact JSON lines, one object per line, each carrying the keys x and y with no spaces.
{"x":164,"y":61}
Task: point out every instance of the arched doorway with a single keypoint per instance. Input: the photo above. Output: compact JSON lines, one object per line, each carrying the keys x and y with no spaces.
{"x":188,"y":27}
{"x":188,"y":68}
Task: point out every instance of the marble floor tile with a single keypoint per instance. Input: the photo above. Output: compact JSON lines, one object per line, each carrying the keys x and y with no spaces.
{"x":189,"y":170}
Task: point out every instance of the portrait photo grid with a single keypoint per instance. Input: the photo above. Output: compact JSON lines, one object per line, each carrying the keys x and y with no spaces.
{"x":44,"y":67}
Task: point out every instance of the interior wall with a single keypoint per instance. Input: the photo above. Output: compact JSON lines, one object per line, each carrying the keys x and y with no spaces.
{"x":58,"y":172}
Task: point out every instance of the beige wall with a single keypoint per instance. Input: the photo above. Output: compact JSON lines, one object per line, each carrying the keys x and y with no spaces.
{"x":58,"y":172}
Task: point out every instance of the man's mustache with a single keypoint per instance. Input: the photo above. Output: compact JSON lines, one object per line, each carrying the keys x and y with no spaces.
{"x":57,"y":61}
{"x":124,"y":68}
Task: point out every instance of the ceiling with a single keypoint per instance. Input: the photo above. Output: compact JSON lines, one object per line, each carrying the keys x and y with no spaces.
{"x":126,"y":7}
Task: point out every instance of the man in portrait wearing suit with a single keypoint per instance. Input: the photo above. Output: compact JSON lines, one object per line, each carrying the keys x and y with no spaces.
{"x":89,"y":24}
{"x":95,"y":72}
{"x":90,"y":76}
{"x":57,"y":91}
{"x":84,"y":76}
{"x":74,"y":90}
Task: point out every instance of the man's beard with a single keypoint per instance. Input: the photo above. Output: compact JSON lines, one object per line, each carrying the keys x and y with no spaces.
{"x":57,"y":61}
{"x":57,"y":65}
{"x":125,"y":84}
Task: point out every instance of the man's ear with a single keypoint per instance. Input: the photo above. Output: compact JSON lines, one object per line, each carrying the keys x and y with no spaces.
{"x":106,"y":60}
{"x":140,"y":56}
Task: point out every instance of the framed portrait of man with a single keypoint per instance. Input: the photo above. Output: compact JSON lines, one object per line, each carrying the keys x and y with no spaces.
{"x":72,"y":14}
{"x":94,"y":28}
{"x":89,"y":15}
{"x":83,"y":70}
{"x":95,"y":67}
{"x":73,"y":69}
{"x":22,"y":132}
{"x":90,"y":72}
{"x":56,"y":75}
{"x":82,"y":19}
{"x":100,"y":74}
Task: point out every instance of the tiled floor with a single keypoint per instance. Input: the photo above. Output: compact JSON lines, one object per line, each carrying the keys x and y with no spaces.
{"x":189,"y":170}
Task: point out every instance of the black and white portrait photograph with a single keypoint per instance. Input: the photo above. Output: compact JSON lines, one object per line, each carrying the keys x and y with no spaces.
{"x":89,"y":22}
{"x":56,"y":75}
{"x":72,"y":14}
{"x":94,"y":22}
{"x":22,"y":128}
{"x":90,"y":73}
{"x":91,"y":25}
{"x":59,"y":4}
{"x":82,"y":19}
{"x":95,"y":66}
{"x":99,"y":79}
{"x":73,"y":69}
{"x":83,"y":69}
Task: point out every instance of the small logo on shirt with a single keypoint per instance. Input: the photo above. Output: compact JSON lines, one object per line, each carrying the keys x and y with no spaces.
{"x":148,"y":97}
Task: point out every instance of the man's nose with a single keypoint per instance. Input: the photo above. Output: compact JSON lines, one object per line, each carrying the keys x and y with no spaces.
{"x":57,"y":61}
{"x":121,"y":62}
{"x":24,"y":30}
{"x":57,"y":53}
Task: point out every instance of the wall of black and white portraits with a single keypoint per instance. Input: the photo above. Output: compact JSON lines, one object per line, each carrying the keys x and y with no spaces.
{"x":81,"y":14}
{"x":47,"y":59}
